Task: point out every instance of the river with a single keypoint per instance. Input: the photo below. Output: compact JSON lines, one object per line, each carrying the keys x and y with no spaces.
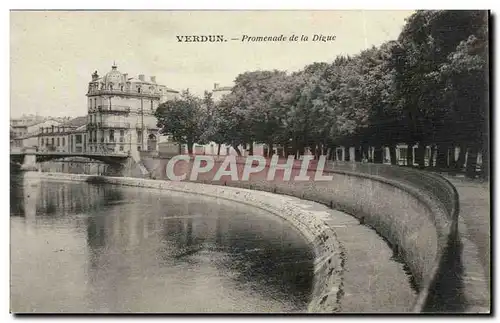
{"x":80,"y":247}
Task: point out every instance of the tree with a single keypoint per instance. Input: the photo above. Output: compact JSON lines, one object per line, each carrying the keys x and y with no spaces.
{"x":424,"y":46}
{"x":183,"y":118}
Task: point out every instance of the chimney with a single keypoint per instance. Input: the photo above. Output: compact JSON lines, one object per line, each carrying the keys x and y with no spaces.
{"x":153,"y":79}
{"x":216,"y":86}
{"x":141,"y":77}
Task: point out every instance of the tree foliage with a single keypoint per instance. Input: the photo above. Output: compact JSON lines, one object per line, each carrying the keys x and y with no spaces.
{"x":429,"y":87}
{"x":183,"y":118}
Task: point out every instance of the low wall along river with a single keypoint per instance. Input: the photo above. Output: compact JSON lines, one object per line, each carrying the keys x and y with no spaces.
{"x":415,"y":212}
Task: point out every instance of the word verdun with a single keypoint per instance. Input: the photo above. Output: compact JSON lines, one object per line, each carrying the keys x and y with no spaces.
{"x":212,"y":168}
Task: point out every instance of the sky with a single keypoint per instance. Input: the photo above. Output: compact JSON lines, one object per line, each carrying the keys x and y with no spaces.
{"x":54,"y":53}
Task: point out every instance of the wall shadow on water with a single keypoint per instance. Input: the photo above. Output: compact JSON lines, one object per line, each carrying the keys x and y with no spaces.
{"x":16,"y":195}
{"x":446,"y":294}
{"x":280,"y":266}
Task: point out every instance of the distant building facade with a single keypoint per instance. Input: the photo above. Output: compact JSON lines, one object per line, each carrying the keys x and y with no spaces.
{"x":68,"y":137}
{"x":121,"y":112}
{"x":219,"y":91}
{"x":25,"y":134}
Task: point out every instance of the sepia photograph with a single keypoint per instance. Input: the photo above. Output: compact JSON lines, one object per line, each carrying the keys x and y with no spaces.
{"x":250,"y":162}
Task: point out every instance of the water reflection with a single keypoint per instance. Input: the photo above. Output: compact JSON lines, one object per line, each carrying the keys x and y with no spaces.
{"x":137,"y":250}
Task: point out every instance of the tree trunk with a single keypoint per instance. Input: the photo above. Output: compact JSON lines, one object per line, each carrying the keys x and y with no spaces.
{"x":317,"y":151}
{"x":286,"y":149}
{"x":190,"y":147}
{"x":333,"y":153}
{"x":470,"y":169}
{"x":420,"y":155}
{"x":377,"y":155}
{"x":324,"y":149}
{"x":485,"y":165}
{"x":358,"y":154}
{"x":347,"y":154}
{"x":295,"y":147}
{"x":409,"y":155}
{"x":442,"y":154}
{"x":392,"y":153}
{"x":460,"y":162}
{"x":218,"y":149}
{"x":250,"y":149}
{"x":451,"y":156}
{"x":270,"y":150}
{"x":237,"y":149}
{"x":365,"y":151}
{"x":301,"y":149}
{"x":431,"y":157}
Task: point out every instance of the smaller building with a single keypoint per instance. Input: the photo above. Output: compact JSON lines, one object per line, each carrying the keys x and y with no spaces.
{"x":25,"y":134}
{"x":68,"y":137}
{"x":219,"y":91}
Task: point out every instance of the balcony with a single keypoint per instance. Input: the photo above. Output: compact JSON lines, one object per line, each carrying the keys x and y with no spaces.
{"x":113,"y":109}
{"x":114,"y":125}
{"x":119,"y":92}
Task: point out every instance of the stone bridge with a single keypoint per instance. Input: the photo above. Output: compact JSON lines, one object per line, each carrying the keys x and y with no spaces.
{"x":27,"y":158}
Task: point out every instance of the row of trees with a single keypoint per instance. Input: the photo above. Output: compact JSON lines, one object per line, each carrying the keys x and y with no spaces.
{"x":429,"y":87}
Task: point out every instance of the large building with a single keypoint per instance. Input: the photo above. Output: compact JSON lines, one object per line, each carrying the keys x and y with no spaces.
{"x":121,"y":112}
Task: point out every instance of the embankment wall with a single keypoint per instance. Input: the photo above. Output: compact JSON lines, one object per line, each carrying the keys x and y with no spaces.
{"x":415,"y":212}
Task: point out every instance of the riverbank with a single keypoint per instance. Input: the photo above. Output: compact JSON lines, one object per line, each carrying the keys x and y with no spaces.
{"x":354,"y":271}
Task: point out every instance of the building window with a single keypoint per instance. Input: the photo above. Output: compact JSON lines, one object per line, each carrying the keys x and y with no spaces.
{"x":139,"y":136}
{"x":138,"y":89}
{"x":121,"y":88}
{"x":139,"y":148}
{"x":78,"y":139}
{"x":121,"y":147}
{"x":58,"y":142}
{"x":64,"y":141}
{"x":52,"y":141}
{"x":151,"y":105}
{"x":95,"y":103}
{"x":111,"y":135}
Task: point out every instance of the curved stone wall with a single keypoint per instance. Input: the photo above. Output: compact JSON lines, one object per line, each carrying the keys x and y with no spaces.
{"x":415,"y":212}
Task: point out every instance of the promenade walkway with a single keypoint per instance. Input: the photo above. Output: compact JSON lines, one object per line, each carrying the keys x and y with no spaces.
{"x":475,"y":231}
